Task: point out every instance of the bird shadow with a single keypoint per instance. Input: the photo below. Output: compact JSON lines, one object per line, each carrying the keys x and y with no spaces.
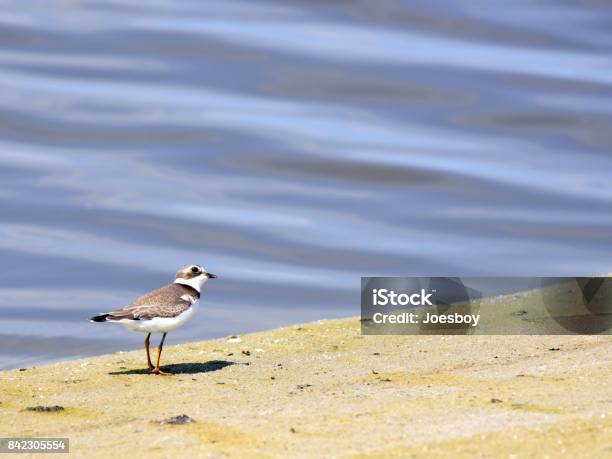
{"x":181,"y":368}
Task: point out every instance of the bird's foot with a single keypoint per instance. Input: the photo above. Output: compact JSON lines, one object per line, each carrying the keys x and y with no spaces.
{"x":157,"y":371}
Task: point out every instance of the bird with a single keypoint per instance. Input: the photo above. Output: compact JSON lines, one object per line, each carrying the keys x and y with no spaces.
{"x":162,"y":310}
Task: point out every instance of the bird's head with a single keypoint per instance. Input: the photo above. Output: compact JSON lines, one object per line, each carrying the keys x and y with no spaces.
{"x":193,"y":275}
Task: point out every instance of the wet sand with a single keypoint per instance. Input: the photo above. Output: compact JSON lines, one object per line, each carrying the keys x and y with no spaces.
{"x":323,"y":390}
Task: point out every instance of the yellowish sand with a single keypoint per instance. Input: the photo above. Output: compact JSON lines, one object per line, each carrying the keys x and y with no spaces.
{"x":323,"y":390}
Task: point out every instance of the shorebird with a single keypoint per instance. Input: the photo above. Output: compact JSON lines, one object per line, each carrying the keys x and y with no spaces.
{"x":162,"y":310}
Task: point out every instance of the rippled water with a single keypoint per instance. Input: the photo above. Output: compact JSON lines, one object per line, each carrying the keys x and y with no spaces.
{"x":290,"y":147}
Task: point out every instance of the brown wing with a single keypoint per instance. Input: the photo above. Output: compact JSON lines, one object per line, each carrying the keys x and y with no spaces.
{"x":163,"y":302}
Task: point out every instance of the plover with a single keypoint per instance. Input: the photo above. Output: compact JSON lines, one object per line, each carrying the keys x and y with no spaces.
{"x":162,"y":310}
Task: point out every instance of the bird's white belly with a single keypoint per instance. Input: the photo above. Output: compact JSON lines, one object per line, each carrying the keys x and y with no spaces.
{"x":160,"y":324}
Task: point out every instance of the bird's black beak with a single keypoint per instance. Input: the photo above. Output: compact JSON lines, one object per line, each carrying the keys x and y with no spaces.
{"x":211,"y":276}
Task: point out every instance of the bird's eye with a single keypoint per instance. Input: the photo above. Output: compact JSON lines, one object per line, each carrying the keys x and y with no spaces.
{"x":195,"y":269}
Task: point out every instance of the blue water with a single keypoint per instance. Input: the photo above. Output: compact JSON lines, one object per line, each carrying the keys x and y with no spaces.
{"x":290,"y":147}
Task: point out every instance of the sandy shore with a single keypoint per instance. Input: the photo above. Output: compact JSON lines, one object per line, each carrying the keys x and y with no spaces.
{"x":323,"y":390}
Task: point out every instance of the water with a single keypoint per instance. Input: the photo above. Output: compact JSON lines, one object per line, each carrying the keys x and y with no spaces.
{"x":290,"y":148}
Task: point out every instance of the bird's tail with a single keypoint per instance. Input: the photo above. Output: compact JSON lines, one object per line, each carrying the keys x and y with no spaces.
{"x":99,"y":318}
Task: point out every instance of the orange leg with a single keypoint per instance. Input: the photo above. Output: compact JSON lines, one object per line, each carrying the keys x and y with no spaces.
{"x":147,"y":349}
{"x":156,"y":370}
